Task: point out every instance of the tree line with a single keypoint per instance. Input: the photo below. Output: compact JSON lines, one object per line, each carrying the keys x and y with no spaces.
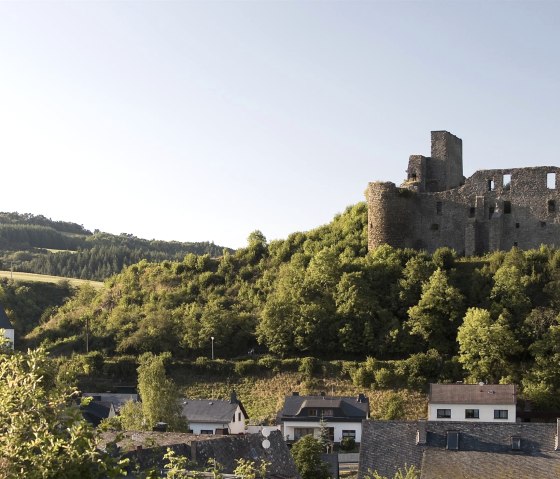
{"x":25,"y":241}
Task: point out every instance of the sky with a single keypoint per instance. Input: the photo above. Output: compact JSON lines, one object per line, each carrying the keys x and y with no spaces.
{"x":207,"y":120}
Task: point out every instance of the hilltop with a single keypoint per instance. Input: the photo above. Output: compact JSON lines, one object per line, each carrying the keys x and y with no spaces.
{"x":36,"y":244}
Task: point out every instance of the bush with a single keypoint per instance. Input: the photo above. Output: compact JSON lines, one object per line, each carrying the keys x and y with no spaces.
{"x":347,"y":444}
{"x":308,"y":366}
{"x":386,"y":378}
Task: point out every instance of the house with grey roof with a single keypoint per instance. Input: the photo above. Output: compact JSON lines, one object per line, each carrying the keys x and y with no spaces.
{"x":445,"y":450}
{"x":303,"y":415}
{"x":215,"y":416}
{"x":7,"y":326}
{"x":472,"y":402}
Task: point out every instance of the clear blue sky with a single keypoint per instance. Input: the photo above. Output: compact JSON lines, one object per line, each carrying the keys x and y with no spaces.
{"x":206,"y":120}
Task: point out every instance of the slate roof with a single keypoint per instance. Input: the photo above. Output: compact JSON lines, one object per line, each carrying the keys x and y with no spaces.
{"x":472,"y":394}
{"x":148,"y":448}
{"x":296,"y":408}
{"x":389,"y":445}
{"x":4,"y":321}
{"x":210,"y":410}
{"x":436,"y":464}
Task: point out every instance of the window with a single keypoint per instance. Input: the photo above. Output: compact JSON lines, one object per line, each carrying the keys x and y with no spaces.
{"x":452,"y":440}
{"x":472,"y":211}
{"x":206,"y":431}
{"x":551,"y":181}
{"x":500,"y":413}
{"x":551,"y":206}
{"x":490,"y":212}
{"x":507,"y":207}
{"x":349,"y":433}
{"x":506,"y":181}
{"x":490,"y":185}
{"x":434,"y":227}
{"x":239,"y":416}
{"x":515,"y":443}
{"x":542,"y":223}
{"x":438,"y":208}
{"x":471,"y":414}
{"x":328,"y":412}
{"x":312,"y":412}
{"x":444,"y":413}
{"x":517,"y":225}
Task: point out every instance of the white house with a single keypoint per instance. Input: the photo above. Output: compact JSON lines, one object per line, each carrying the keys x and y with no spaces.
{"x":214,"y":416}
{"x":472,"y":402}
{"x":302,"y":415}
{"x":7,"y":327}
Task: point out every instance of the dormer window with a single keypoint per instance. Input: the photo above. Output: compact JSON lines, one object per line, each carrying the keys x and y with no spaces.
{"x":452,"y":440}
{"x":328,"y":412}
{"x":312,"y":412}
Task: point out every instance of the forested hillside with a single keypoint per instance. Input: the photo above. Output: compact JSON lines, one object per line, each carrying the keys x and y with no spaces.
{"x":27,"y":243}
{"x":321,"y":294}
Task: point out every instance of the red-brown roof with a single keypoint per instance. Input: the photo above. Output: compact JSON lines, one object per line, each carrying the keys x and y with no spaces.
{"x":472,"y":394}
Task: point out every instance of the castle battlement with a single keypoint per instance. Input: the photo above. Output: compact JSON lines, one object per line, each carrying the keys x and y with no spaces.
{"x":491,"y":210}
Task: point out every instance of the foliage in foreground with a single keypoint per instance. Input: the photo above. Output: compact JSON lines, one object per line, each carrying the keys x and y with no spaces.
{"x":43,"y":433}
{"x":408,"y":473}
{"x":307,"y":456}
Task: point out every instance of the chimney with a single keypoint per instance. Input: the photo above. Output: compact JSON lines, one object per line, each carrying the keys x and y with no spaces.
{"x":322,"y":393}
{"x":421,"y":433}
{"x":233,"y":398}
{"x":295,"y":393}
{"x":361,"y":398}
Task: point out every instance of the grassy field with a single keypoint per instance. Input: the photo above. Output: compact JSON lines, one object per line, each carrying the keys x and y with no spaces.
{"x":17,"y":276}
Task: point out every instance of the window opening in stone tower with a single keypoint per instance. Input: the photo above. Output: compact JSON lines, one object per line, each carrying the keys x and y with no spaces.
{"x":434,"y":227}
{"x":490,"y":185}
{"x":490,"y":212}
{"x":472,"y":212}
{"x":551,"y":181}
{"x":507,"y":207}
{"x":543,"y":224}
{"x":551,"y":206}
{"x":517,"y":225}
{"x":506,"y":181}
{"x":438,"y":208}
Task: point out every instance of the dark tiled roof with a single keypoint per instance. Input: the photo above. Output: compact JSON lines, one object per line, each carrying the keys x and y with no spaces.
{"x":225,"y":449}
{"x":296,"y":407}
{"x":389,"y":445}
{"x":442,"y":464}
{"x":472,"y":394}
{"x":4,"y":321}
{"x":210,"y":410}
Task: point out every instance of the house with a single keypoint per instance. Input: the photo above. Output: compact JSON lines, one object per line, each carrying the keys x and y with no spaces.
{"x":302,"y":415}
{"x":105,"y":405}
{"x":472,"y":402}
{"x":214,"y":416}
{"x":6,"y":325}
{"x":469,"y":450}
{"x":146,"y":450}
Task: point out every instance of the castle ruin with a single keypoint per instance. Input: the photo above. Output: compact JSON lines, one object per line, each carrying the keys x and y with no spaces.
{"x":492,"y":210}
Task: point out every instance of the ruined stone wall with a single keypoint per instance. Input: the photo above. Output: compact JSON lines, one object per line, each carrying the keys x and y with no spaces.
{"x":492,"y":210}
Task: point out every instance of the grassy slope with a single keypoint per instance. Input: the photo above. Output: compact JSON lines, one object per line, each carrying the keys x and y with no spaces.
{"x":17,"y":276}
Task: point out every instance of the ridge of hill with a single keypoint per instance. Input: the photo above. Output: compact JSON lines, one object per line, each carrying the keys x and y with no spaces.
{"x":36,"y":244}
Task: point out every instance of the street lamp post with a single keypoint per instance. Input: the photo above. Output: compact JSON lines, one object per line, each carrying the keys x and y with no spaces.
{"x":212,"y":338}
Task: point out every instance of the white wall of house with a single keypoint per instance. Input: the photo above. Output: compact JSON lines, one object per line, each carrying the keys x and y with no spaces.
{"x":485,"y":412}
{"x":290,"y":426}
{"x":198,"y":427}
{"x":9,"y":335}
{"x":238,"y":425}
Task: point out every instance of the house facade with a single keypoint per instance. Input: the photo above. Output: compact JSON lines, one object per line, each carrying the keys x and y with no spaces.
{"x":472,"y":402}
{"x":7,"y":326}
{"x":215,"y":416}
{"x":305,"y":415}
